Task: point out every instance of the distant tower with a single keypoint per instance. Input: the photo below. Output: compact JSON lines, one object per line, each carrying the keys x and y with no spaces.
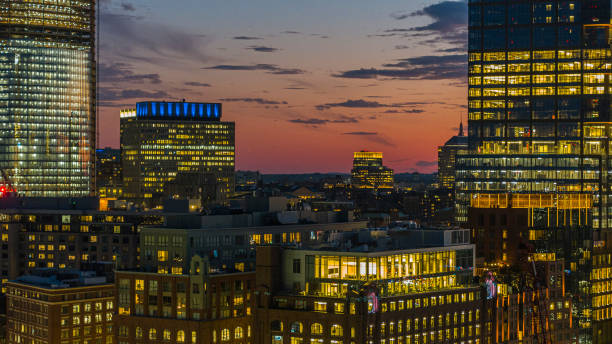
{"x":446,"y":158}
{"x":369,"y":173}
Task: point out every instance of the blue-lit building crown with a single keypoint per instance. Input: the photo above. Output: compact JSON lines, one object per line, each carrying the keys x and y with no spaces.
{"x":179,"y":111}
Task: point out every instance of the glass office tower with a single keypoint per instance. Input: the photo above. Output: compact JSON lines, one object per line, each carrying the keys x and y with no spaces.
{"x":47,"y":96}
{"x":539,"y":123}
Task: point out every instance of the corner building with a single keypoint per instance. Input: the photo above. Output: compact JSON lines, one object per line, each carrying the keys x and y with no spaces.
{"x":166,"y":143}
{"x":539,"y":123}
{"x":47,"y":96}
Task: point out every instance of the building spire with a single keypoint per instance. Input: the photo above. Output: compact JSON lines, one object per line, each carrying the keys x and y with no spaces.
{"x":461,"y":128}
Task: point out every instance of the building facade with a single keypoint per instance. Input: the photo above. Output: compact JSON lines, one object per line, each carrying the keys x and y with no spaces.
{"x":369,"y":173}
{"x":195,"y":307}
{"x":538,"y":114}
{"x":163,"y":142}
{"x":536,"y":315}
{"x":109,"y":179}
{"x":60,"y":307}
{"x":167,"y":250}
{"x":52,"y":235}
{"x":47,"y":103}
{"x":398,"y":296}
{"x":337,"y":293}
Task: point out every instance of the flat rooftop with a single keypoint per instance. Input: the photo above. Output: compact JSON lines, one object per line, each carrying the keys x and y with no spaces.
{"x":49,"y":278}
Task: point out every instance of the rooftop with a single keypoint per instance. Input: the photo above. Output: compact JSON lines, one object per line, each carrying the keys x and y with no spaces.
{"x":457,"y":141}
{"x":50,"y":278}
{"x":396,"y":239}
{"x":175,"y":111}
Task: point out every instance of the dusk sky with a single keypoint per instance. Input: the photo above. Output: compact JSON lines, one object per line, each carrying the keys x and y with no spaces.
{"x":307,"y":82}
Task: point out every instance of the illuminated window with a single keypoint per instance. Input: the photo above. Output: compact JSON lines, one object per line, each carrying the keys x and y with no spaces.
{"x":543,"y":91}
{"x":316,"y":328}
{"x":336,"y":331}
{"x":320,"y":306}
{"x":568,"y":90}
{"x":544,"y":79}
{"x":225,"y":335}
{"x":519,"y":55}
{"x":494,"y":92}
{"x":519,"y":67}
{"x":238,"y":333}
{"x":569,"y":78}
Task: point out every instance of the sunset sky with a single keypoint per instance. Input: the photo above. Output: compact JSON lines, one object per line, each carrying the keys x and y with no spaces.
{"x":307,"y":82}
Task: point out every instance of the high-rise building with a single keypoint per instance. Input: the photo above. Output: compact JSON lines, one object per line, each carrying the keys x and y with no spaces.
{"x":47,"y":96}
{"x":369,"y":173}
{"x":539,"y":125}
{"x":163,"y":143}
{"x":53,"y":306}
{"x":447,"y":154}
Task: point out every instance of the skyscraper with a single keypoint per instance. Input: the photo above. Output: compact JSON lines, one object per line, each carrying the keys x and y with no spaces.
{"x":369,"y":173}
{"x":177,"y":146}
{"x":539,"y":127}
{"x":47,"y":96}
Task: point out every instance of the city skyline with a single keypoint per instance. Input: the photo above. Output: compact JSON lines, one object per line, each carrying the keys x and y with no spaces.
{"x":510,"y":242}
{"x":326,"y":85}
